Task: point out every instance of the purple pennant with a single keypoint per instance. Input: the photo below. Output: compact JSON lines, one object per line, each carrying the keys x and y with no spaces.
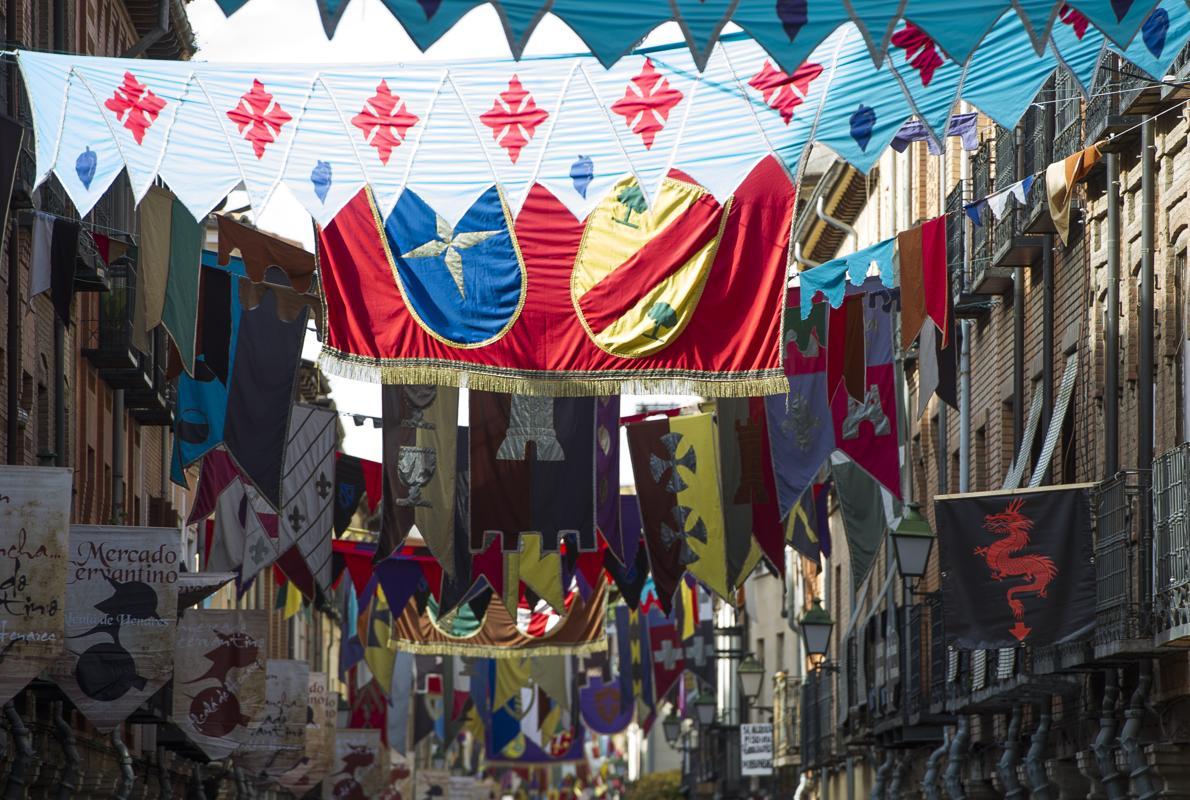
{"x":430,"y":7}
{"x":1155,"y":29}
{"x":1121,"y":8}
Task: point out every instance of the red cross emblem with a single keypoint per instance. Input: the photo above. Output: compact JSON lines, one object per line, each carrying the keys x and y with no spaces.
{"x":135,"y":105}
{"x":384,"y":120}
{"x":513,"y":118}
{"x":784,"y":92}
{"x":648,"y":99}
{"x":259,"y":118}
{"x":920,"y":51}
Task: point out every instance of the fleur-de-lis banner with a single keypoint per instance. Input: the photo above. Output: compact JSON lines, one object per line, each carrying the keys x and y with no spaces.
{"x":532,"y":470}
{"x":360,"y":766}
{"x":677,"y":483}
{"x":219,"y":677}
{"x":318,"y":745}
{"x":420,"y":426}
{"x":307,"y":488}
{"x":122,"y":592}
{"x":276,"y":745}
{"x":1017,"y":567}
{"x":35,"y":521}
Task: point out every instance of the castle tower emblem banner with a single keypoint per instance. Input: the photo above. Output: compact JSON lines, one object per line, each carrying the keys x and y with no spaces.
{"x":1017,"y":567}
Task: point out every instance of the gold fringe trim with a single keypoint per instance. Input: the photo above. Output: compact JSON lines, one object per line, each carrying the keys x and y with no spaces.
{"x":492,"y":651}
{"x":554,"y":384}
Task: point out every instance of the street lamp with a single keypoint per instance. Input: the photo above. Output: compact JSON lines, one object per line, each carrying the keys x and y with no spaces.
{"x":912,"y":540}
{"x":816,"y":629}
{"x":704,"y":707}
{"x":751,"y":674}
{"x":672,"y":728}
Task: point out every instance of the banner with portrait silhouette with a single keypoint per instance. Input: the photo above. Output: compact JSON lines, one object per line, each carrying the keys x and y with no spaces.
{"x":34,"y":530}
{"x":121,"y":619}
{"x":219,"y":677}
{"x":1017,"y":567}
{"x":360,"y":766}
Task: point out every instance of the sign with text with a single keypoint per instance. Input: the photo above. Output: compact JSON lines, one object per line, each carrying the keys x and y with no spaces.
{"x":756,"y":749}
{"x":34,"y":529}
{"x":121,"y":619}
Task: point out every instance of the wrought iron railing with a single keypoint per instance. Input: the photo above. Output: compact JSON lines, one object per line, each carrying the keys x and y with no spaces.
{"x":956,"y":223}
{"x":938,"y":651}
{"x":1171,"y":541}
{"x":981,"y":186}
{"x":1123,"y":603}
{"x":1068,"y":140}
{"x":1005,"y":157}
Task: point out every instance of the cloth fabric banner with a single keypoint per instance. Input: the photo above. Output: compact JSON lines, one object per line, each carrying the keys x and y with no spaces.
{"x":666,"y":653}
{"x":532,"y":469}
{"x":276,"y":744}
{"x":318,"y":746}
{"x":620,"y":544}
{"x":864,"y":515}
{"x":34,"y":562}
{"x":168,"y":274}
{"x":581,"y":631}
{"x":260,"y":251}
{"x":638,"y":296}
{"x":925,"y":282}
{"x":306,"y":484}
{"x":608,"y":706}
{"x":750,"y":501}
{"x":420,"y":423}
{"x":242,"y":542}
{"x":808,"y":525}
{"x":122,"y":593}
{"x":349,"y":489}
{"x":831,"y":279}
{"x":1060,"y":178}
{"x":805,"y":75}
{"x":801,"y":436}
{"x":53,"y":260}
{"x":677,"y":483}
{"x":359,"y":767}
{"x":268,"y":350}
{"x":219,"y":677}
{"x":964,"y":126}
{"x":1017,"y":567}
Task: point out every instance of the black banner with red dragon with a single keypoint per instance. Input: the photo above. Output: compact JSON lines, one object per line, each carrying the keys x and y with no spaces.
{"x":1017,"y":567}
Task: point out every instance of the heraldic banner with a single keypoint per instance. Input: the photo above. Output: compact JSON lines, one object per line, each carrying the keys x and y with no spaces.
{"x":121,"y":619}
{"x":1016,"y":566}
{"x":680,"y":293}
{"x":219,"y":677}
{"x":35,"y":521}
{"x":360,"y":768}
{"x":319,"y":742}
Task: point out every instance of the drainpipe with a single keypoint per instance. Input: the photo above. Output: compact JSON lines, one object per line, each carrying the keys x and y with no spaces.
{"x":165,"y":783}
{"x":1047,"y":337}
{"x":900,"y":772}
{"x":1018,"y":326}
{"x":1111,"y":361}
{"x":22,"y":755}
{"x":957,"y":759}
{"x":59,"y":44}
{"x":153,"y":36}
{"x":1141,"y":772}
{"x":1145,"y":370}
{"x":13,"y":341}
{"x":1006,"y":767}
{"x":117,"y":456}
{"x":929,"y":780}
{"x":1104,"y":747}
{"x":801,"y":259}
{"x":127,"y":777}
{"x":1039,"y":781}
{"x":838,"y":224}
{"x":68,"y":780}
{"x":882,"y":773}
{"x":965,"y":345}
{"x":197,"y":790}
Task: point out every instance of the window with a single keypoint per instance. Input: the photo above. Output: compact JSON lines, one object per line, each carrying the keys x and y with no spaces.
{"x":779,"y":656}
{"x":979,"y":477}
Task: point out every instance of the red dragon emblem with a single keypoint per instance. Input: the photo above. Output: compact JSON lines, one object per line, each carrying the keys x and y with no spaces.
{"x":1037,"y":571}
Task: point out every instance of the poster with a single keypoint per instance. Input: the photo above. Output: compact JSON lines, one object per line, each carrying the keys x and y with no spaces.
{"x":219,"y":677}
{"x":277,"y":743}
{"x":34,"y":528}
{"x":430,"y":783}
{"x":318,"y":747}
{"x":359,"y":770}
{"x":121,"y":619}
{"x":756,"y":749}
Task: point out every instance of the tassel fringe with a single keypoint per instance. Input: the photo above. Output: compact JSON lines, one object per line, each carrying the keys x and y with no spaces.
{"x":491,"y":651}
{"x":552,"y":384}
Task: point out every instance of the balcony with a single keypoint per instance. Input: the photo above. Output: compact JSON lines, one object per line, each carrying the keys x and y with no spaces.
{"x":1139,"y":94}
{"x":1171,"y":541}
{"x":1180,"y":71}
{"x":908,"y":721}
{"x":1039,"y":140}
{"x":153,"y":405}
{"x":1105,"y":117}
{"x":787,"y":720}
{"x":1011,"y":245}
{"x":818,"y":718}
{"x":1123,"y":607}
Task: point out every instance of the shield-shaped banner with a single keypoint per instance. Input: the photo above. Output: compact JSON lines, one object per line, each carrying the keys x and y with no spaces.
{"x":219,"y":677}
{"x":34,"y":524}
{"x":359,"y":770}
{"x":122,"y":596}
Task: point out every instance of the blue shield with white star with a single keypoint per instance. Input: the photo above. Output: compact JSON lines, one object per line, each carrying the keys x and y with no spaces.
{"x":463,"y":282}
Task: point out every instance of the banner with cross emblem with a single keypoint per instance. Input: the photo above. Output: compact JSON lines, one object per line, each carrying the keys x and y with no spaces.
{"x":676,"y":467}
{"x":307,"y":488}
